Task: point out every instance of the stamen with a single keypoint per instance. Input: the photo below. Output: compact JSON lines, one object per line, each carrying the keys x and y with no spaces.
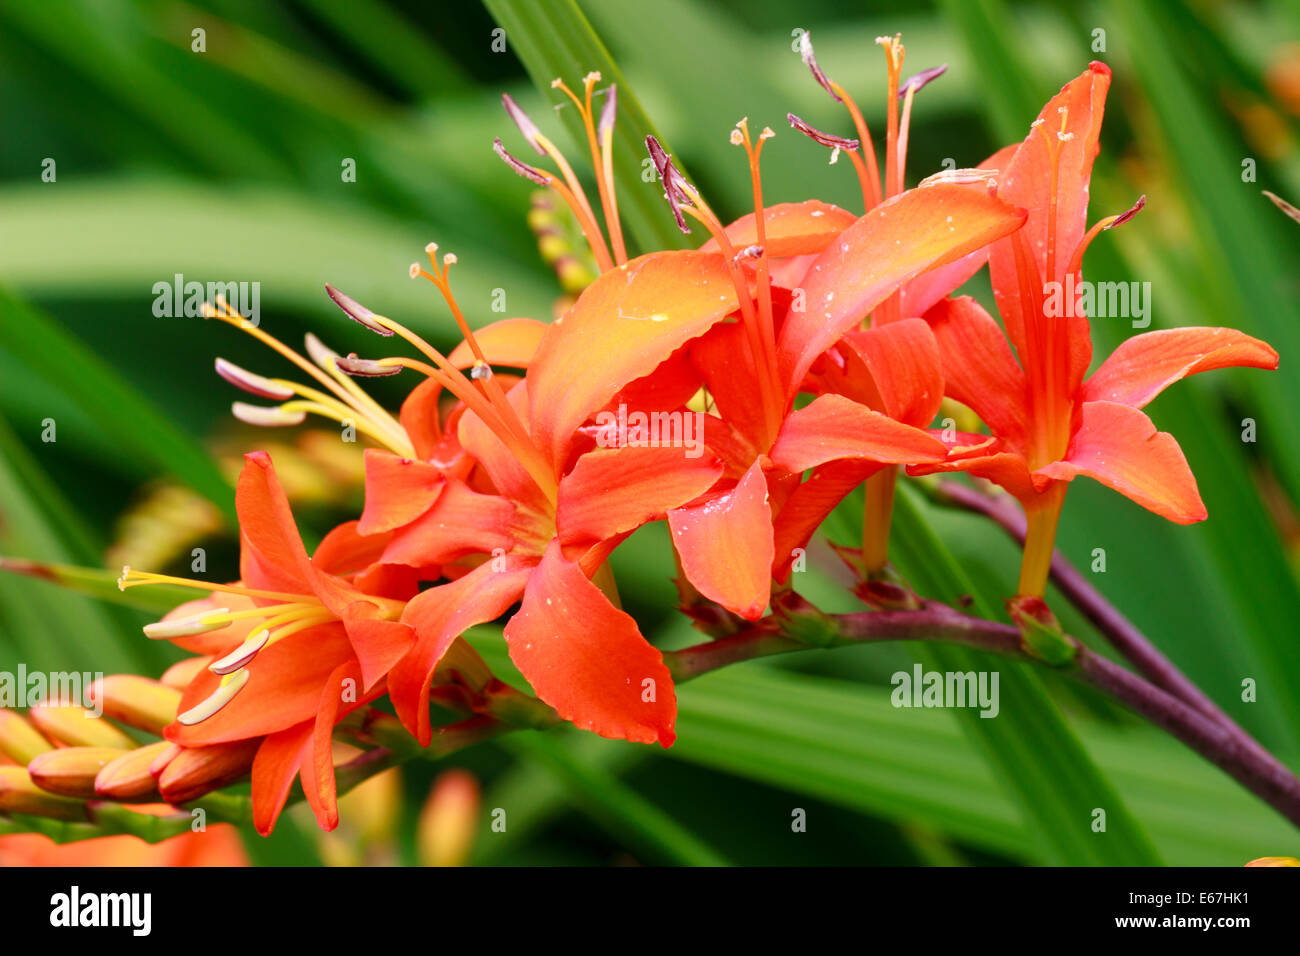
{"x":672,"y":180}
{"x":231,"y":685}
{"x":251,"y":382}
{"x":1110,"y":222}
{"x":188,"y":626}
{"x":369,"y":368}
{"x":356,"y":310}
{"x":915,"y":82}
{"x":267,"y":417}
{"x":810,"y":61}
{"x":825,"y":139}
{"x":131,"y":578}
{"x":241,"y":655}
{"x":526,"y":125}
{"x":523,"y":169}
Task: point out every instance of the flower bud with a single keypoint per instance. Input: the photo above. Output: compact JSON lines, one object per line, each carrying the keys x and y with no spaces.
{"x":19,"y":740}
{"x":445,"y":833}
{"x":78,"y":728}
{"x":71,"y":771}
{"x":129,"y":777}
{"x":19,"y":795}
{"x":138,"y":701}
{"x":199,"y":770}
{"x":1040,"y":631}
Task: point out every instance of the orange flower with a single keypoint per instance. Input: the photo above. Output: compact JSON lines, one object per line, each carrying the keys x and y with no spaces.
{"x":1049,"y":422}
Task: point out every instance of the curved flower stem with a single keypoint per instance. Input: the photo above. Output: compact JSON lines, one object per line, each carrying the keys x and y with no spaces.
{"x":1238,"y":756}
{"x":1118,"y":630}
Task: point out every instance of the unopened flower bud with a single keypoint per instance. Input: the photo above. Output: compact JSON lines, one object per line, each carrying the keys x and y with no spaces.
{"x":130,"y":777}
{"x":445,"y":833}
{"x":199,"y":770}
{"x":78,"y":728}
{"x":71,"y":771}
{"x":19,"y":740}
{"x":138,"y":701}
{"x":18,"y":794}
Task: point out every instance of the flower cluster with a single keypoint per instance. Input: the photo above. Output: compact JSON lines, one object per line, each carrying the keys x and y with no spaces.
{"x":815,"y":345}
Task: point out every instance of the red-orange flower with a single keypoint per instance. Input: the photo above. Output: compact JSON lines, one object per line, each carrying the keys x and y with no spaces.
{"x":1050,"y":423}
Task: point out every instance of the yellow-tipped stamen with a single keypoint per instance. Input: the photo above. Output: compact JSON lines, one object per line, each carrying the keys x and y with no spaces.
{"x":242,"y":654}
{"x":230,"y":685}
{"x":380,"y":423}
{"x":188,"y":626}
{"x":131,"y":578}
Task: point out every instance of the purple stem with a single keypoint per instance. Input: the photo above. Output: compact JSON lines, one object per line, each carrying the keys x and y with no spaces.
{"x":1122,"y":634}
{"x":1238,"y":756}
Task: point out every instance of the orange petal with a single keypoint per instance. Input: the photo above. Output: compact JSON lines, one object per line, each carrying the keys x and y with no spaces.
{"x":509,"y":342}
{"x":1143,"y":366}
{"x":460,"y":522}
{"x":903,"y":361}
{"x":317,"y":764}
{"x":439,"y":616}
{"x":267,"y":529}
{"x":790,"y":229}
{"x":613,"y":490}
{"x":1120,"y":447}
{"x":893,"y":243}
{"x":419,"y":417}
{"x":621,"y":328}
{"x":1027,"y":179}
{"x":274,"y":769}
{"x":398,"y":490}
{"x":812,"y":501}
{"x":283,"y":688}
{"x":978,"y":368}
{"x":834,"y":427}
{"x":587,"y":659}
{"x":726,"y":545}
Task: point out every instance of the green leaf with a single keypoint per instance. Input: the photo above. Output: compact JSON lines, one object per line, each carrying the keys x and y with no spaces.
{"x":112,"y":405}
{"x":645,"y":828}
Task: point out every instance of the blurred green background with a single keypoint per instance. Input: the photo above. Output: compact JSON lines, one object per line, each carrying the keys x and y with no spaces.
{"x":226,"y":165}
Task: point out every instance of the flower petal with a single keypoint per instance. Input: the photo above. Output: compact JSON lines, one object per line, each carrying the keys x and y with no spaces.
{"x":398,"y":490}
{"x":725,"y":545}
{"x":893,"y":243}
{"x":274,"y":769}
{"x":790,"y":229}
{"x":620,"y":329}
{"x":833,"y":427}
{"x":278,"y":560}
{"x":808,"y":506}
{"x":509,"y":342}
{"x":283,"y":688}
{"x":419,"y":417}
{"x":978,"y":368}
{"x":1143,"y":366}
{"x":613,"y":490}
{"x":1120,"y":447}
{"x":587,"y":659}
{"x":461,"y":522}
{"x":317,"y":764}
{"x":439,"y":616}
{"x":903,"y":360}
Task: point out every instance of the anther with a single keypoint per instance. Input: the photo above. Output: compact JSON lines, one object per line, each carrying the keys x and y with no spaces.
{"x":526,"y":125}
{"x":218,"y":699}
{"x":266,"y":417}
{"x":367,"y":368}
{"x":356,"y":310}
{"x":186,"y":626}
{"x":251,"y":382}
{"x":241,"y":655}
